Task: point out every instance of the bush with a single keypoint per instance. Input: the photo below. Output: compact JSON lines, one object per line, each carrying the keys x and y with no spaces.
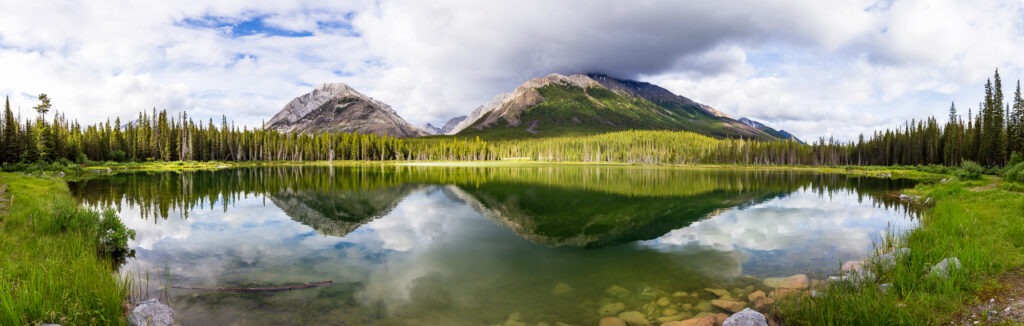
{"x":117,"y":155}
{"x":969,"y":170}
{"x":1015,"y":158}
{"x":112,"y":238}
{"x":1014,"y":172}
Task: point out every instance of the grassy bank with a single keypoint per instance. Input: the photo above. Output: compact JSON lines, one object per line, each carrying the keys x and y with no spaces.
{"x":55,"y":266}
{"x":979,"y":222}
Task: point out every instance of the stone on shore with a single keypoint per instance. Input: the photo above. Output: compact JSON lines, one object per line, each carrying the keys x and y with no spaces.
{"x":852,"y":266}
{"x":611,"y":321}
{"x":151,"y":313}
{"x":746,"y":317}
{"x":798,"y":281}
{"x":729,"y":305}
{"x":634,"y":318}
{"x":944,"y":267}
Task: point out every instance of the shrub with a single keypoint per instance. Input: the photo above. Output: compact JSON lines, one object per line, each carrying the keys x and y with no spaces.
{"x":112,"y":237}
{"x":1015,"y":158}
{"x":1014,"y":172}
{"x":969,"y":170}
{"x":117,"y":155}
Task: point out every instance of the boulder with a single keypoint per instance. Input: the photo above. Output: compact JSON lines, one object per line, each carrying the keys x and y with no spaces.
{"x":703,"y":321}
{"x":611,"y":321}
{"x":746,"y":317}
{"x":611,"y":309}
{"x":669,"y":312}
{"x":680,"y":294}
{"x":151,"y":313}
{"x":634,"y":318}
{"x":945,"y":266}
{"x":729,"y":305}
{"x":664,"y":302}
{"x":798,"y":281}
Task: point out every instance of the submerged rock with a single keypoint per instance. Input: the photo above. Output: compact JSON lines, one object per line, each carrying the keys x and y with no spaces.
{"x":611,"y":321}
{"x":704,"y":306}
{"x":852,"y":265}
{"x":634,"y":318}
{"x":701,"y":321}
{"x":729,"y":305}
{"x":664,"y":302}
{"x":151,"y":313}
{"x":943,"y":268}
{"x":611,"y":309}
{"x":560,"y":289}
{"x":746,"y":317}
{"x":617,"y":291}
{"x":718,"y":292}
{"x":798,"y":281}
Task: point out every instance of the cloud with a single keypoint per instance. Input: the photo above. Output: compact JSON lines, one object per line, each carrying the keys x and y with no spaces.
{"x":810,"y":67}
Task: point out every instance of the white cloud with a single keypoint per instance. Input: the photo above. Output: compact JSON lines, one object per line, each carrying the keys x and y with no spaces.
{"x":814,"y":68}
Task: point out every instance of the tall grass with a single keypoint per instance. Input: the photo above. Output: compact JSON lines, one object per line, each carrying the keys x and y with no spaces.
{"x":984,"y":230}
{"x":52,"y":269}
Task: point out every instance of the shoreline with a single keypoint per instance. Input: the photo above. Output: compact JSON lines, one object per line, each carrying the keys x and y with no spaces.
{"x":910,"y":294}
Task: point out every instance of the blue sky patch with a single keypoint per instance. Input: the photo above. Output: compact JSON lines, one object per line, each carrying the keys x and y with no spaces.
{"x":237,"y":27}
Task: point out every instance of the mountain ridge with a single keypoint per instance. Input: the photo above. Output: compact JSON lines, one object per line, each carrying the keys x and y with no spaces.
{"x":338,"y":107}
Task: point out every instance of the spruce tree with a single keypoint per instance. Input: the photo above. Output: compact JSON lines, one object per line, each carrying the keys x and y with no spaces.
{"x":9,"y":151}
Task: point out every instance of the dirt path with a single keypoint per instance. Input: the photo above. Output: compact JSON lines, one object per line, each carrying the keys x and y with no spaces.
{"x":1003,"y":304}
{"x":994,"y":184}
{"x":4,"y":201}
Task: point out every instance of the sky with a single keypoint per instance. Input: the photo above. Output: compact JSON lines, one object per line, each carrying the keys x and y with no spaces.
{"x":814,"y":68}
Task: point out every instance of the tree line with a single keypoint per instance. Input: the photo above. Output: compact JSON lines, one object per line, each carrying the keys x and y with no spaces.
{"x":993,"y":136}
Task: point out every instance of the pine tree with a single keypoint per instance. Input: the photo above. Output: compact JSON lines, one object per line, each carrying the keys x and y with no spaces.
{"x":9,"y":150}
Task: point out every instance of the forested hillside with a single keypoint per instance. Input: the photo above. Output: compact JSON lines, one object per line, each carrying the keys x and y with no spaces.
{"x":989,"y":137}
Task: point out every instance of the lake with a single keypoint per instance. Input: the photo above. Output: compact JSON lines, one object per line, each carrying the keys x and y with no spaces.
{"x":482,"y":245}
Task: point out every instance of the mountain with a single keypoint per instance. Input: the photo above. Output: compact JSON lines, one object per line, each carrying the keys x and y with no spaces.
{"x":430,"y":129}
{"x":338,"y":107}
{"x":450,"y":125}
{"x":781,"y":134}
{"x":584,"y":104}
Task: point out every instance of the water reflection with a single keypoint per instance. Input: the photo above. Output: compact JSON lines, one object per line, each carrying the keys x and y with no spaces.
{"x":422,"y":245}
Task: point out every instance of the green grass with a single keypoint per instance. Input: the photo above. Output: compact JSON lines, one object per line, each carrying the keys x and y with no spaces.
{"x":51,"y":270}
{"x":982,"y":226}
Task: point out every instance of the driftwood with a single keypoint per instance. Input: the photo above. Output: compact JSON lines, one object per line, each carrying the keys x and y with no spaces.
{"x":270,"y":289}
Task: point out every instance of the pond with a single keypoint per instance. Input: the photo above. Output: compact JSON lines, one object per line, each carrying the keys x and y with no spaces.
{"x":482,"y":245}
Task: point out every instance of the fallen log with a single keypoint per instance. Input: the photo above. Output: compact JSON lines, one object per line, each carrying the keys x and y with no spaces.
{"x":269,"y":289}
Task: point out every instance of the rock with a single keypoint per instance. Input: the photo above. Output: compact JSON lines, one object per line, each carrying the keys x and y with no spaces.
{"x":852,"y":265}
{"x":663,"y":302}
{"x":816,"y":294}
{"x":746,"y":317}
{"x":617,"y":291}
{"x":885,"y":287}
{"x":782,"y":292}
{"x":904,"y":197}
{"x":855,"y":278}
{"x":887,"y":260}
{"x":634,"y":318}
{"x":702,"y":321}
{"x":611,"y":309}
{"x":718,"y":292}
{"x":561,"y":324}
{"x":680,"y":294}
{"x":753,"y":297}
{"x":728,"y":305}
{"x":151,"y":313}
{"x":513,"y":320}
{"x":611,"y":321}
{"x":704,"y":306}
{"x":675,"y":317}
{"x":945,"y":266}
{"x":560,"y":289}
{"x":687,"y":306}
{"x":648,"y":293}
{"x":798,"y":281}
{"x":669,"y":312}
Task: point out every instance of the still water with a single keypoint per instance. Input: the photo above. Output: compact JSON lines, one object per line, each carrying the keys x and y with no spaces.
{"x":421,"y":245}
